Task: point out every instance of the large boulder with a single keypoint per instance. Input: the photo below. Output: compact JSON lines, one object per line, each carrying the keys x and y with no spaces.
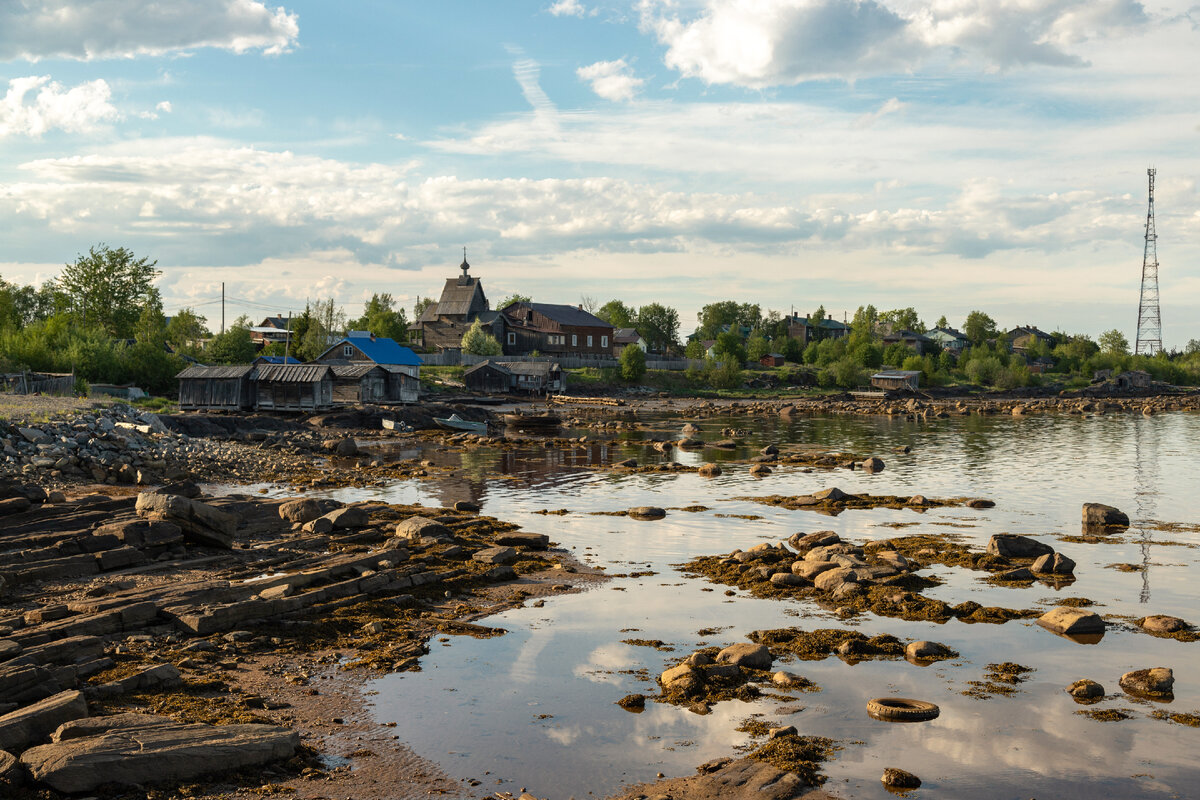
{"x":349,"y":517}
{"x":414,"y":529}
{"x":746,"y":654}
{"x":300,"y":511}
{"x":1053,"y":564}
{"x":531,"y":541}
{"x":1161,"y":623}
{"x":927,"y":651}
{"x":495,"y":555}
{"x":1156,"y":682}
{"x":200,"y":522}
{"x":1011,"y":545}
{"x":153,"y":749}
{"x":1098,"y":515}
{"x":1071,"y":621}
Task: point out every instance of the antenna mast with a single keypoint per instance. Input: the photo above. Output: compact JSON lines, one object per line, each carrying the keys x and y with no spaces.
{"x":1149,"y":328}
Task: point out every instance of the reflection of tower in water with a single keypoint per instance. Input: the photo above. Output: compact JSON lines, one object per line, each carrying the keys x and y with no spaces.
{"x":1145,"y":473}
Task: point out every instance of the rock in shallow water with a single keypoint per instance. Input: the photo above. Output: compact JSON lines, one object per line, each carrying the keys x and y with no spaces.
{"x":1154,"y":682}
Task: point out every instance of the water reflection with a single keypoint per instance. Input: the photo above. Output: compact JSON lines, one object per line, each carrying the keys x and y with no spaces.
{"x":537,"y":707}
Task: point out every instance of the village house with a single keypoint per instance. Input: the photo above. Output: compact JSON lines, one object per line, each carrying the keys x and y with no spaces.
{"x":293,"y":387}
{"x":948,"y":339}
{"x":1022,"y":337}
{"x":625,"y":337}
{"x":500,"y":377}
{"x":402,"y":365}
{"x":806,"y":330}
{"x":270,"y":330}
{"x":918,"y":342}
{"x":558,"y":330}
{"x":441,"y":326}
{"x":359,"y":383}
{"x":217,"y":388}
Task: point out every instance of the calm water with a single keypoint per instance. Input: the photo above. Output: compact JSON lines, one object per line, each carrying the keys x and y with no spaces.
{"x":535,"y":708}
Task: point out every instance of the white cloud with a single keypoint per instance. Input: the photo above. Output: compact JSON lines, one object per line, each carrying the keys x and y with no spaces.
{"x":36,"y":29}
{"x":762,"y":43}
{"x":890,"y":106}
{"x":164,"y":106}
{"x":612,"y":80}
{"x":568,"y":8}
{"x":78,"y":109}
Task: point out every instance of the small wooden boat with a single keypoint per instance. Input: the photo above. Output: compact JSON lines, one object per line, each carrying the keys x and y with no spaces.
{"x":456,"y":423}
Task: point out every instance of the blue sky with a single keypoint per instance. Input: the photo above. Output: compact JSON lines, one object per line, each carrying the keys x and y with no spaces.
{"x":951,"y":155}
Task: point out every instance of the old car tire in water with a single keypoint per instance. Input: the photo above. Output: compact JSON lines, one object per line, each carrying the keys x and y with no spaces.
{"x":901,"y":709}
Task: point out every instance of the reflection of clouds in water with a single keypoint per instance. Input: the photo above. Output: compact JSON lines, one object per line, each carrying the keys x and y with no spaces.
{"x":605,"y":660}
{"x":567,"y":735}
{"x":524,"y":667}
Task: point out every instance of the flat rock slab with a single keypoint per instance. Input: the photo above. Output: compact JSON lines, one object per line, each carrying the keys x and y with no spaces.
{"x":1011,"y":545}
{"x":495,"y":555}
{"x":36,"y":722}
{"x":1098,"y":515}
{"x":157,"y":750}
{"x":1071,"y":621}
{"x":746,"y":654}
{"x":532,"y":541}
{"x":200,"y":522}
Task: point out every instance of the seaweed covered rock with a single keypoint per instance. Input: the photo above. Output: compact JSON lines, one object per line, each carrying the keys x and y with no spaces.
{"x":1155,"y":682}
{"x":1011,"y":545}
{"x":1098,"y":515}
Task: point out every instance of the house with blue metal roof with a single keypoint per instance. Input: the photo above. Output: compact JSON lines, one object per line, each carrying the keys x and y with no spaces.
{"x":361,"y":347}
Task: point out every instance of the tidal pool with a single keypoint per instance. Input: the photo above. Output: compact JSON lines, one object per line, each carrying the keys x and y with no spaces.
{"x":536,"y":708}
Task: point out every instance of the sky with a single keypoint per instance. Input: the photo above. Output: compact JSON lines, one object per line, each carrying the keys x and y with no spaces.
{"x":949,"y":155}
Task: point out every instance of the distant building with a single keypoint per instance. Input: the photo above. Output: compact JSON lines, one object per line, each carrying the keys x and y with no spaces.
{"x":402,"y":365}
{"x":270,"y":330}
{"x":897,"y":379}
{"x":772,"y":360}
{"x":293,"y":387}
{"x":441,"y":326}
{"x":806,"y":330}
{"x":625,"y":337}
{"x":218,"y":388}
{"x":276,"y":360}
{"x":1022,"y":337}
{"x":499,"y":377}
{"x":918,"y":342}
{"x":948,"y":339}
{"x":551,"y":329}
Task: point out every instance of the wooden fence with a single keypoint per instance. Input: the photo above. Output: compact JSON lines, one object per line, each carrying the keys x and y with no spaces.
{"x":38,"y":383}
{"x":454,"y":358}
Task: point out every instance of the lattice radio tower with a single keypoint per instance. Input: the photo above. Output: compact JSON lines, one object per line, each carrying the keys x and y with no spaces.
{"x":1149,"y":329}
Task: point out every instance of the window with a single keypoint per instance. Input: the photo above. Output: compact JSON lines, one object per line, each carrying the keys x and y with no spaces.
{"x":512,"y":338}
{"x":574,"y":340}
{"x":589,"y":341}
{"x":348,"y":351}
{"x":604,"y":342}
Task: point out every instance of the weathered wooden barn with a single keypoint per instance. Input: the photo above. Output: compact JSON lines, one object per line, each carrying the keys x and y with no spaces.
{"x":897,"y":379}
{"x":294,"y":387}
{"x":402,"y":365}
{"x":220,"y":388}
{"x":359,"y":383}
{"x":532,"y":377}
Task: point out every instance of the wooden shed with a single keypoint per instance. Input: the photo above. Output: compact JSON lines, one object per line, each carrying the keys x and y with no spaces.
{"x":220,"y":388}
{"x":897,"y":379}
{"x":359,"y":383}
{"x":488,"y":377}
{"x":294,"y":387}
{"x":403,"y":386}
{"x":772,"y":360}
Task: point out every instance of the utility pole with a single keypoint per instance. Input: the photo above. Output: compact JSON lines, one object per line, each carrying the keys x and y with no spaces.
{"x":222,"y":306}
{"x":287,"y":339}
{"x":1149,"y":327}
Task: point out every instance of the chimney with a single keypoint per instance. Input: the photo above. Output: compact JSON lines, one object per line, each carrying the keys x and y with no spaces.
{"x":581,"y":306}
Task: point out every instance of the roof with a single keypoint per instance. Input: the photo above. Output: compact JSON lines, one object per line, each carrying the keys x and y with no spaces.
{"x":353,"y":370}
{"x":199,"y":371}
{"x":529,"y":367}
{"x":774,"y":355}
{"x":380,"y":350}
{"x":626,"y":335}
{"x":827,"y":323}
{"x":294,"y":373}
{"x":490,"y":365}
{"x":897,"y":373}
{"x":277,"y":360}
{"x":274,"y":322}
{"x":460,"y":298}
{"x":951,"y":332}
{"x":566,"y":315}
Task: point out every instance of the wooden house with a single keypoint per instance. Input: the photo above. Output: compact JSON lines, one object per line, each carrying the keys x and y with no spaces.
{"x":626,"y":337}
{"x":897,"y":379}
{"x":1023,"y":337}
{"x":772,"y":360}
{"x":918,"y":342}
{"x":359,"y":383}
{"x":807,"y":330}
{"x":531,"y":377}
{"x":219,"y":388}
{"x":557,"y":330}
{"x":402,"y":365}
{"x":948,"y":339}
{"x":294,"y":387}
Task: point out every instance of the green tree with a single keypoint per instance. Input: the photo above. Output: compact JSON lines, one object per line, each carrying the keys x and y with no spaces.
{"x":862,"y":327}
{"x":185,"y":332}
{"x":815,"y":330}
{"x":234,"y":346}
{"x":658,"y":325}
{"x":727,"y":313}
{"x":729,"y":346}
{"x":757,"y":346}
{"x":633,"y":363}
{"x":479,"y":342}
{"x":151,"y":326}
{"x":514,"y":298}
{"x":383,"y":318}
{"x":420,"y":306}
{"x":619,"y":315}
{"x":979,"y":327}
{"x":724,"y":375}
{"x":1114,"y":342}
{"x":903,"y":319}
{"x":325,"y":323}
{"x":107,"y":288}
{"x":942,"y":322}
{"x":694,"y":349}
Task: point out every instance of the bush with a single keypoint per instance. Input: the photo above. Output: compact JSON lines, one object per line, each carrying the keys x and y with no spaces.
{"x":724,"y":375}
{"x":479,"y":342}
{"x":633,"y":363}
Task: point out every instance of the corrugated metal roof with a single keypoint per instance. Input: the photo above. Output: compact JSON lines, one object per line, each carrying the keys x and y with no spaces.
{"x":353,"y":370}
{"x":897,"y":373}
{"x":294,"y":373}
{"x":221,"y":371}
{"x":277,"y":360}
